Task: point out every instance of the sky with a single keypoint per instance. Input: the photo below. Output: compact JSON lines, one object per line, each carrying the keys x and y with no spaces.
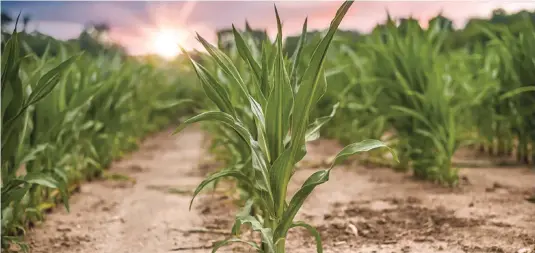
{"x":144,"y":27}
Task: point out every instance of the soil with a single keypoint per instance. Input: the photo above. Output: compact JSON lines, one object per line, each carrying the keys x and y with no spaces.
{"x":358,"y":210}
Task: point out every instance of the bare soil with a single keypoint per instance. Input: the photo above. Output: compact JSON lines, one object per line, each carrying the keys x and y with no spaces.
{"x":359,"y":210}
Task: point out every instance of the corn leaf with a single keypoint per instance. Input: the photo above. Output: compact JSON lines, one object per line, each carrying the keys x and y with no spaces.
{"x":49,"y":81}
{"x":359,"y":147}
{"x":296,"y":57}
{"x":225,"y":242}
{"x":222,"y":117}
{"x":216,"y":92}
{"x":312,"y":231}
{"x":280,"y":101}
{"x":295,"y":204}
{"x":218,"y":175}
{"x":246,"y":55}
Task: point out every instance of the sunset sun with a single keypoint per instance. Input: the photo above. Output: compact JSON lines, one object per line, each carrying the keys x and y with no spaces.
{"x":166,"y":42}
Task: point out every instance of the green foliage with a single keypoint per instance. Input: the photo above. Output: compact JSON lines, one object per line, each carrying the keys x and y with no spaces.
{"x":410,"y":85}
{"x":268,"y":107}
{"x":513,"y":103}
{"x":65,"y":117}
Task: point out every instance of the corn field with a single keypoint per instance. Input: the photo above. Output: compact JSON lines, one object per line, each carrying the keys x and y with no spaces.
{"x":436,"y":100}
{"x":402,"y":96}
{"x":67,"y":117}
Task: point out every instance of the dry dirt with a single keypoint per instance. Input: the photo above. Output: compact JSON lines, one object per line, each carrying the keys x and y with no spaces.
{"x":358,"y":210}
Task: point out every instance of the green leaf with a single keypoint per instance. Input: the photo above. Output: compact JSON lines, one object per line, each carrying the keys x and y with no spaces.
{"x":296,"y":57}
{"x":14,"y":195}
{"x":414,"y":114}
{"x":280,"y":102}
{"x":10,"y":56}
{"x":245,"y":211}
{"x":11,"y":183}
{"x":314,"y":128}
{"x":41,"y":179}
{"x":47,"y":82}
{"x":221,"y":117}
{"x":265,"y":233}
{"x":83,"y":96}
{"x":244,"y":217}
{"x":12,"y":108}
{"x":7,"y":97}
{"x":232,"y":73}
{"x":265,"y":86}
{"x":313,"y":231}
{"x":225,"y":242}
{"x":517,"y":91}
{"x":246,"y":55}
{"x":286,"y":221}
{"x":215,"y":91}
{"x":359,"y":147}
{"x":7,"y":215}
{"x":163,"y":105}
{"x":440,"y":146}
{"x":224,"y":173}
{"x":60,"y":173}
{"x":32,"y":155}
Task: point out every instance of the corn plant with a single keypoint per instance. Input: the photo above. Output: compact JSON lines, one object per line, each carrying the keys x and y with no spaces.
{"x":227,"y":145}
{"x":16,"y":103}
{"x":410,"y":86}
{"x":432,"y":98}
{"x":280,"y":103}
{"x":513,"y":102}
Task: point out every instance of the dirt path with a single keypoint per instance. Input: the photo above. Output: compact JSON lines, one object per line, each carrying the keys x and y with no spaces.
{"x":358,"y":210}
{"x":121,"y":216}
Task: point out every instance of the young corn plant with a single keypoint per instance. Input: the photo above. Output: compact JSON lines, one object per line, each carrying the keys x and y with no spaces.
{"x":424,"y":94}
{"x":226,"y":144}
{"x":513,"y":103}
{"x":17,"y":190}
{"x":280,"y":103}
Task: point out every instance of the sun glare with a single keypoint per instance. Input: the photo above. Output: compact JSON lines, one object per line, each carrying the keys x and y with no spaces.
{"x":166,"y":43}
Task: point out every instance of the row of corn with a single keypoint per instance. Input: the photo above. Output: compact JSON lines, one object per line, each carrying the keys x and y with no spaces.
{"x":403,"y":83}
{"x":65,"y":117}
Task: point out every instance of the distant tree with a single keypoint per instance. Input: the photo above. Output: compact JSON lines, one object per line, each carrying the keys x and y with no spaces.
{"x":102,"y":27}
{"x":499,"y":16}
{"x":99,"y":31}
{"x":225,"y":39}
{"x":94,"y":39}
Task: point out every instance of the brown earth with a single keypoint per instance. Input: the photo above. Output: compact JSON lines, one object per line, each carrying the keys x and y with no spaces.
{"x":358,"y":210}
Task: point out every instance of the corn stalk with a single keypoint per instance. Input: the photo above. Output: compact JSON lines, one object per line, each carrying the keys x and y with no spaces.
{"x":280,"y":107}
